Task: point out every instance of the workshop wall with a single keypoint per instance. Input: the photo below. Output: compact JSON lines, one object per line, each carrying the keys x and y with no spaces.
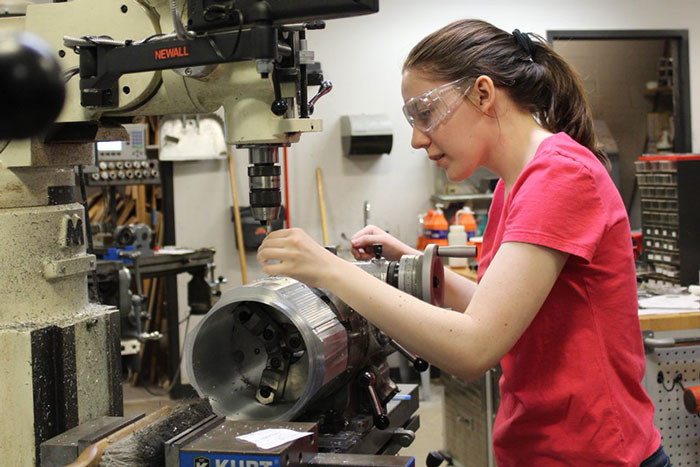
{"x":363,"y":57}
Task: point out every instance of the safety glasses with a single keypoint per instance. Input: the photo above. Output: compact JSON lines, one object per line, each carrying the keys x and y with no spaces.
{"x":428,"y":110}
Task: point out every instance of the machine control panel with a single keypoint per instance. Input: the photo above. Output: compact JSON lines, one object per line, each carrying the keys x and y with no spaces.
{"x":124,"y":162}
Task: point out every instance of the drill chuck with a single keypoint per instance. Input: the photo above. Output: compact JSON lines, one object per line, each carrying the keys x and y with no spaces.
{"x":264,"y":178}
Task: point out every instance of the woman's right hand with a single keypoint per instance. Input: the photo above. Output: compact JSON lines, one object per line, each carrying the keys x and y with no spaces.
{"x":392,"y":248}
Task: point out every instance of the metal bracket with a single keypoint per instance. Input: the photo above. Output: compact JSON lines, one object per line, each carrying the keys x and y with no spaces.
{"x":68,"y":267}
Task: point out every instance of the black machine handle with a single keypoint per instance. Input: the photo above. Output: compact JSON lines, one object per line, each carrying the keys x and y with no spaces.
{"x":418,"y":363}
{"x":381,"y":420}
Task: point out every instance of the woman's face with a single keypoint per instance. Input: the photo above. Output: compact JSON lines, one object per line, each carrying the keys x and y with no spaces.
{"x":453,"y":143}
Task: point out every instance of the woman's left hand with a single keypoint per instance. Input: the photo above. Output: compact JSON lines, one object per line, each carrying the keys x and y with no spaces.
{"x":299,"y":256}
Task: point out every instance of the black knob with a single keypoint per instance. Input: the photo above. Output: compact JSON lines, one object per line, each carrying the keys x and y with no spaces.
{"x":377,"y":249}
{"x":381,"y":422}
{"x":31,"y":86}
{"x":434,"y":459}
{"x":279,"y":107}
{"x":420,"y":365}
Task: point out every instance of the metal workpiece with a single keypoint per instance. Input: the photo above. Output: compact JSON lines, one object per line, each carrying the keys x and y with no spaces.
{"x":230,"y":355}
{"x":279,"y":350}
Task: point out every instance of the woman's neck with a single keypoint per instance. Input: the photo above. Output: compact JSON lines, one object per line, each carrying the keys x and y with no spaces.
{"x":519,"y":136}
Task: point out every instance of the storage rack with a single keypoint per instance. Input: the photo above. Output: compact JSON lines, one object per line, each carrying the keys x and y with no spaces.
{"x":670,"y":196}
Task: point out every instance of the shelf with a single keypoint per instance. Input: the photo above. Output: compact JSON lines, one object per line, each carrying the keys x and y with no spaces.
{"x":461,"y":198}
{"x":666,"y":91}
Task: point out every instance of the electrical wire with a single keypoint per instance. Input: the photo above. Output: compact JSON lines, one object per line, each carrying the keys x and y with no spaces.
{"x":4,"y":145}
{"x":70,"y":72}
{"x":238,"y":38}
{"x":176,"y":376}
{"x":180,"y":30}
{"x":88,"y":229}
{"x":286,"y":189}
{"x":678,"y":379}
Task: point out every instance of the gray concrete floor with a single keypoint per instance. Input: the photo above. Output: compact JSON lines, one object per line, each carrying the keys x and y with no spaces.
{"x":430,"y":436}
{"x":138,"y":400}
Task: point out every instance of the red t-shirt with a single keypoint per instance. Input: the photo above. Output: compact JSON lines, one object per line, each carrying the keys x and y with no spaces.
{"x":571,"y":391}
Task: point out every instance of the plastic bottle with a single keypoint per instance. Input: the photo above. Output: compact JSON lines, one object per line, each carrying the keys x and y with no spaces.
{"x":435,"y":227}
{"x":421,"y":233}
{"x":457,"y":237}
{"x":465,"y":218}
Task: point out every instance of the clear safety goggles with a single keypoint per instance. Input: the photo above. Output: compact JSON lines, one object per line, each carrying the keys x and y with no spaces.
{"x":426,"y":111}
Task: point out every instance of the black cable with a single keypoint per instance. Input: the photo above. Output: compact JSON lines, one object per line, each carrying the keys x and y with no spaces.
{"x":676,"y":380}
{"x":238,"y":35}
{"x":69,"y":73}
{"x":4,"y":145}
{"x":149,"y":38}
{"x":88,"y":230}
{"x":240,"y":31}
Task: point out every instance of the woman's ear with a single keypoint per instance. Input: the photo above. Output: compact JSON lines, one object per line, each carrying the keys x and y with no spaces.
{"x":484,"y":93}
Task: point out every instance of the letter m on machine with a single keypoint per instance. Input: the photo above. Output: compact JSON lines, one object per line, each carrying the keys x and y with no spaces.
{"x":198,"y":459}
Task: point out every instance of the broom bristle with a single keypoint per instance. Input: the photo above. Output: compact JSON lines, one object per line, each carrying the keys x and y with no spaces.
{"x":146,"y":446}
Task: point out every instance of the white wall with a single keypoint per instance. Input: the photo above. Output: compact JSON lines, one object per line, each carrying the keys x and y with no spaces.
{"x":363,"y":57}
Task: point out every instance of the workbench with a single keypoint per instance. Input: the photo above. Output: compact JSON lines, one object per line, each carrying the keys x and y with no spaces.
{"x":670,"y":322}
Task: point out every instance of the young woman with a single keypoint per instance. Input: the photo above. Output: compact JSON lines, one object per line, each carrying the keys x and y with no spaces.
{"x":556,"y":301}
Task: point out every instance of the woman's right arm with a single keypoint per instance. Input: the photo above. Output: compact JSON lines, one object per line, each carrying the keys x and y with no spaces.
{"x":458,"y":290}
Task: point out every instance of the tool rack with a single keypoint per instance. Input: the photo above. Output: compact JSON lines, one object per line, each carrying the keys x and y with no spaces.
{"x":670,"y":193}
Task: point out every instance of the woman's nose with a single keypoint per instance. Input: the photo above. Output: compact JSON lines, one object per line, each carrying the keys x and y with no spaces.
{"x":419,"y":139}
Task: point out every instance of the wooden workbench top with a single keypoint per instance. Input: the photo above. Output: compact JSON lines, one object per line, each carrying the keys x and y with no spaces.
{"x":659,"y":322}
{"x":670,"y":321}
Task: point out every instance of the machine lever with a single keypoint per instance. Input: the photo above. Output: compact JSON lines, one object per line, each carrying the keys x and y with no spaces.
{"x":325,"y":88}
{"x":368,"y":380}
{"x":467,"y":251}
{"x":418,"y":363}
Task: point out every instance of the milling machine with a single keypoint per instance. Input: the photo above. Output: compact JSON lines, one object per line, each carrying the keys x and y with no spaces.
{"x":121,"y":59}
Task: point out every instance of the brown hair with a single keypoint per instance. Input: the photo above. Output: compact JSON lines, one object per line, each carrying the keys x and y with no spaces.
{"x":538,"y":79}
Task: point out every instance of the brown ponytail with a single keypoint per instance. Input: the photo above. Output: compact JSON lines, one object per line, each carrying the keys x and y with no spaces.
{"x":536,"y":77}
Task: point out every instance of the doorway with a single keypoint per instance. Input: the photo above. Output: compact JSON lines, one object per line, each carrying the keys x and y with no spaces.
{"x":638,"y":87}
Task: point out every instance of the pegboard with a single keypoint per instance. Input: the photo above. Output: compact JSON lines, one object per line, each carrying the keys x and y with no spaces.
{"x":680,"y":431}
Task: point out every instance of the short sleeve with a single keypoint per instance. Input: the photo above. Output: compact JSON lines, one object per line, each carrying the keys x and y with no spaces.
{"x":555,"y":203}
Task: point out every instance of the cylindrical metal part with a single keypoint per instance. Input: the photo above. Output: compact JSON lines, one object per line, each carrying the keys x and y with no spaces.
{"x":264,"y":154}
{"x":457,"y":251}
{"x":419,"y":275}
{"x":264,"y":181}
{"x":423,"y":276}
{"x":272,"y":338}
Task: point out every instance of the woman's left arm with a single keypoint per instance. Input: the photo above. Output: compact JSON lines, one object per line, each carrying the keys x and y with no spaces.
{"x":467,"y":344}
